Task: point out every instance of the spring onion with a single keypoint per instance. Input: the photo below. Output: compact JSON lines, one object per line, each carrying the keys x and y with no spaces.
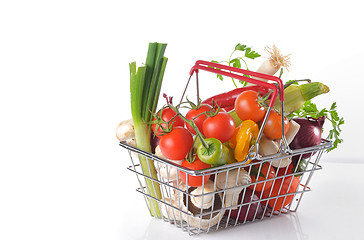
{"x":145,"y":85}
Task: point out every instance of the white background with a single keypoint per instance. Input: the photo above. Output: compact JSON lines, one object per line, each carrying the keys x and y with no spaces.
{"x":65,"y":86}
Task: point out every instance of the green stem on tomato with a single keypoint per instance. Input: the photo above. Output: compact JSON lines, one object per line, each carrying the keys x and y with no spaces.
{"x":192,"y":123}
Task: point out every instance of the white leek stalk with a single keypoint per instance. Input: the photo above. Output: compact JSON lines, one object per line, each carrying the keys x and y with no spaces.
{"x":145,"y":83}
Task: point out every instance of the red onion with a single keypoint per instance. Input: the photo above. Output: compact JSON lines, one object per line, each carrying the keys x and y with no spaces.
{"x":255,"y":208}
{"x":309,"y":134}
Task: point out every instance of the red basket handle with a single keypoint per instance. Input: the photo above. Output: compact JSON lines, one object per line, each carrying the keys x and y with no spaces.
{"x":234,"y":72}
{"x":239,"y":73}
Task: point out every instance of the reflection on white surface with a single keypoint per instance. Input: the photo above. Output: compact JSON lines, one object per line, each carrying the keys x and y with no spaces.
{"x":332,"y":210}
{"x":285,"y":226}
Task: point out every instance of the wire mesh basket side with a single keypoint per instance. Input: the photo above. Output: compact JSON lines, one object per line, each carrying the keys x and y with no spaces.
{"x":230,"y":196}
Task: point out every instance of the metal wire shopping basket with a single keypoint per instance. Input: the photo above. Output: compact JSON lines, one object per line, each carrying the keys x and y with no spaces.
{"x":229,"y":197}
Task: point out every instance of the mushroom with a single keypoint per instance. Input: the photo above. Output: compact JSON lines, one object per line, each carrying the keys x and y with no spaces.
{"x":269,"y":147}
{"x":233,"y":181}
{"x":293,"y":129}
{"x":170,"y":212}
{"x":203,"y":205}
{"x":167,"y":172}
{"x":125,"y":130}
{"x":282,"y":162}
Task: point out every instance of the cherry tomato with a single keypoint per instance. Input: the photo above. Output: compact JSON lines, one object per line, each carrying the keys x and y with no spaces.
{"x":167,"y":115}
{"x":192,"y":115}
{"x":282,"y":186}
{"x":221,"y":126}
{"x":267,"y":171}
{"x":247,"y":106}
{"x":273,"y":127}
{"x":176,"y":144}
{"x":194,"y":181}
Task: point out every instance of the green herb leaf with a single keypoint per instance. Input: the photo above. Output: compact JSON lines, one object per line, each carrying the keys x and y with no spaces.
{"x":240,"y":47}
{"x":251,"y":54}
{"x":236,"y":62}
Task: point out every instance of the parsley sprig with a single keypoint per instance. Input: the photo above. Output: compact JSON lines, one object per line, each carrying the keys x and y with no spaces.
{"x":238,"y":61}
{"x":310,"y":109}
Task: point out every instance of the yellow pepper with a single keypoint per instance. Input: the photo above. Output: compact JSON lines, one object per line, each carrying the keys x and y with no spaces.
{"x":247,"y":130}
{"x":232,"y":141}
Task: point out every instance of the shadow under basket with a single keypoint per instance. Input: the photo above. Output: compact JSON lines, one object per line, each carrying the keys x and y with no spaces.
{"x":229,"y":195}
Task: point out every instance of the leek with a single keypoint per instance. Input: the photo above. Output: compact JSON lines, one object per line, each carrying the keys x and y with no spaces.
{"x":145,"y":85}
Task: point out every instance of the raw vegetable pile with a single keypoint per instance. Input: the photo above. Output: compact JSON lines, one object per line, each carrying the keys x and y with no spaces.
{"x":223,"y":129}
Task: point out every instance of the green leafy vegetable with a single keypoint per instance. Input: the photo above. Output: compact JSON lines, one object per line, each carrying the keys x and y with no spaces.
{"x":310,"y":109}
{"x":239,"y":61}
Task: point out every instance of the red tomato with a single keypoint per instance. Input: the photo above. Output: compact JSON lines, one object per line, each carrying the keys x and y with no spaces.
{"x":176,"y":144}
{"x":282,"y":186}
{"x":273,"y":127}
{"x":194,"y":181}
{"x":167,"y":115}
{"x":247,"y":106}
{"x":192,"y":115}
{"x":221,"y":126}
{"x":268,"y":171}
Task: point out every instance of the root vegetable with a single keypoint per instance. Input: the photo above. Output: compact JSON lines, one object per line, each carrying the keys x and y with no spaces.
{"x":275,"y":61}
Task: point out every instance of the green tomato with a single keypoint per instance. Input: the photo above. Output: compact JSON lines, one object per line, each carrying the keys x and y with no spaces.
{"x":212,"y":154}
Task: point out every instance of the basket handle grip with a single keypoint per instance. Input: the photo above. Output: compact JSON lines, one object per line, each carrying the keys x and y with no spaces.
{"x":238,"y":73}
